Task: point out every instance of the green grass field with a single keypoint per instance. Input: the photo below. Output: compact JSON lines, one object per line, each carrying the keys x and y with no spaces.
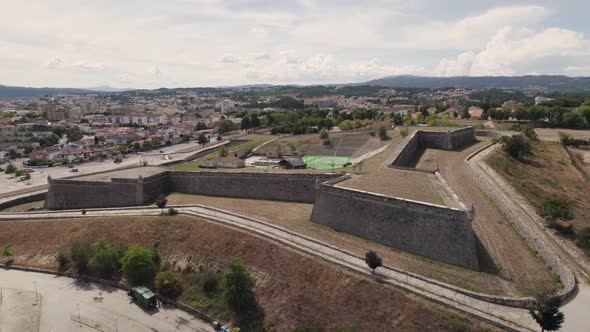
{"x":325,"y":162}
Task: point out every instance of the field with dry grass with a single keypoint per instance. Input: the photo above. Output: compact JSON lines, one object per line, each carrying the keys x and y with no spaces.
{"x":292,"y":289}
{"x":296,"y":216}
{"x":547,"y":173}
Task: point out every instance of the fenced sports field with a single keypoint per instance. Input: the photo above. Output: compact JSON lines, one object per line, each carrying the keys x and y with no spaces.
{"x":340,"y":151}
{"x":325,"y":162}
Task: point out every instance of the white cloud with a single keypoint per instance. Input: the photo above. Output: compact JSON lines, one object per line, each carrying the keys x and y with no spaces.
{"x":323,"y":68}
{"x":55,"y":63}
{"x":229,"y":58}
{"x":155,"y":72}
{"x":300,"y":41}
{"x":261,"y":56}
{"x":471,"y":31}
{"x":513,"y":51}
{"x":58,"y":63}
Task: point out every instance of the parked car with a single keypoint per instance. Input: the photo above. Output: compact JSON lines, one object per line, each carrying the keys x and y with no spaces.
{"x":74,"y":170}
{"x":29,"y":170}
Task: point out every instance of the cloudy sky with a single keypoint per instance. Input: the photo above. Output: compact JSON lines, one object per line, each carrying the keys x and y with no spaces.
{"x":171,"y":43}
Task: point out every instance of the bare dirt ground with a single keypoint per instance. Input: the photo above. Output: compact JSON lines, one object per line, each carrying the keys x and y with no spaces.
{"x":548,"y":173}
{"x":295,"y":216}
{"x":504,"y":251}
{"x":292,"y":289}
{"x":583,"y":157}
{"x":547,"y":134}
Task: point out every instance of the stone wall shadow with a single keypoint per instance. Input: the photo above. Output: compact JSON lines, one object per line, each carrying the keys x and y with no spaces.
{"x":486,"y":263}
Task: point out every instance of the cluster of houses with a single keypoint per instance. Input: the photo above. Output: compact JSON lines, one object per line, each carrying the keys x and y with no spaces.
{"x":84,"y":149}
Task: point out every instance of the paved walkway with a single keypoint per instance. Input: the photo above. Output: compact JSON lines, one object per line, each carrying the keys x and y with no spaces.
{"x":42,"y":302}
{"x":508,"y":318}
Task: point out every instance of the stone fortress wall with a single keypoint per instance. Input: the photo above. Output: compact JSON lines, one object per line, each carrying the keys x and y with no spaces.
{"x":77,"y":194}
{"x":428,"y":230}
{"x":407,"y":152}
{"x":433,"y":231}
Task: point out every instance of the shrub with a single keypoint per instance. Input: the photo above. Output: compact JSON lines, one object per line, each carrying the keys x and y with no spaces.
{"x":324,"y":134}
{"x":529,"y":132}
{"x":556,"y":208}
{"x":517,"y":145}
{"x":405,"y":132}
{"x":62,"y":259}
{"x":382,"y":132}
{"x":107,"y":256}
{"x":7,"y":251}
{"x":169,"y":284}
{"x":172,"y":212}
{"x":564,"y":230}
{"x":238,"y":287}
{"x":308,"y":328}
{"x":138,"y":265}
{"x":223,"y":151}
{"x":10,"y":169}
{"x":80,"y":253}
{"x":209,"y":282}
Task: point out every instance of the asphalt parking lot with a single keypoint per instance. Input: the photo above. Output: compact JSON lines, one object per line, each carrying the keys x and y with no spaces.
{"x":41,"y":302}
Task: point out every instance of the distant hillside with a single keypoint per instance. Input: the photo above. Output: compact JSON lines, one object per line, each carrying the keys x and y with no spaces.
{"x":18,"y":92}
{"x":541,"y":82}
{"x":105,"y":88}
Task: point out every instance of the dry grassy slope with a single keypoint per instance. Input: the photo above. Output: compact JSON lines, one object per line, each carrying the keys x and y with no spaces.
{"x":295,"y":216}
{"x":292,"y":288}
{"x":549,"y":172}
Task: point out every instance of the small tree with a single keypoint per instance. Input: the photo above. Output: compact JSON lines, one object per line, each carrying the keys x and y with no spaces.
{"x":238,"y":287}
{"x":28,"y":177}
{"x":517,"y":146}
{"x":161,"y":202}
{"x":223,"y":152}
{"x":107,"y":256}
{"x":80,"y":252}
{"x":202,"y":139}
{"x":546,"y":312}
{"x":324,"y":135}
{"x":169,"y":284}
{"x":382,"y":132}
{"x":373,"y":260}
{"x":10,"y":169}
{"x":556,"y":208}
{"x":138,"y":265}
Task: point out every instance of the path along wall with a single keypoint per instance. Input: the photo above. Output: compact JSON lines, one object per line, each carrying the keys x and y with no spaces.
{"x":76,"y":194}
{"x":476,"y":168}
{"x":428,"y":230}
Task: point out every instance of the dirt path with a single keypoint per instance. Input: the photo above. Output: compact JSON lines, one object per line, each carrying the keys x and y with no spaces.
{"x":510,"y":256}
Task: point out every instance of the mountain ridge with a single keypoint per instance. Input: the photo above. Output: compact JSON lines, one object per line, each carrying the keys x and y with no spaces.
{"x":559,"y":83}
